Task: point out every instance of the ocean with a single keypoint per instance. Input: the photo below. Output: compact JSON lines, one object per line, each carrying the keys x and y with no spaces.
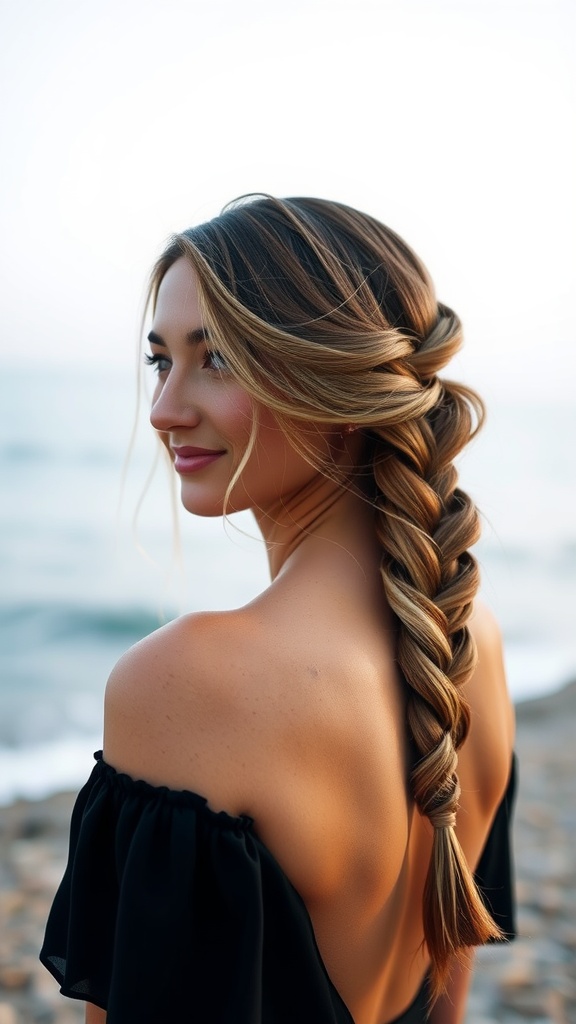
{"x":80,"y":581}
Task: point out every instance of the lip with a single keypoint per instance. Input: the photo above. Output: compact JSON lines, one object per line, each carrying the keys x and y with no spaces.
{"x":189,"y":460}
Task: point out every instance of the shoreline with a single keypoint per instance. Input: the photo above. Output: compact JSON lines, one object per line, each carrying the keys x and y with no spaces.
{"x":533,"y":978}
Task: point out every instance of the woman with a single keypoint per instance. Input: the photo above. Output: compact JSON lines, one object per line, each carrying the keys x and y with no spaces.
{"x":271,"y":834}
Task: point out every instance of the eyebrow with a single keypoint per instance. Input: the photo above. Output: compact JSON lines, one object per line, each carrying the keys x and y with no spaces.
{"x":193,"y":337}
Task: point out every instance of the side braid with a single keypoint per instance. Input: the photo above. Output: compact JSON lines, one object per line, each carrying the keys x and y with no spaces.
{"x":324,"y":315}
{"x":425,"y":526}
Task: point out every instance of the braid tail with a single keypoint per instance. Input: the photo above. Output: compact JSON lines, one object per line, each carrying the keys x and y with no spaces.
{"x":425,"y":525}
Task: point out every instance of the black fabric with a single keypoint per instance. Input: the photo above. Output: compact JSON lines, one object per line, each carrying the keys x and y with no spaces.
{"x":169,"y":911}
{"x":417,"y":1011}
{"x":494,"y":874}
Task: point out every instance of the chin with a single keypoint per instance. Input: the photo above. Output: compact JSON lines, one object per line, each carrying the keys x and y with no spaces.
{"x":202,"y":508}
{"x":206,"y":506}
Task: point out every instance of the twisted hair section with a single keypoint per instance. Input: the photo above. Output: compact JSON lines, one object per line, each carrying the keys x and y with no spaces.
{"x":327,"y":317}
{"x":426,"y":525}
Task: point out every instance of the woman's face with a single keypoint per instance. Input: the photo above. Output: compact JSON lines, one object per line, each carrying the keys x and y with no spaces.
{"x":204,"y":416}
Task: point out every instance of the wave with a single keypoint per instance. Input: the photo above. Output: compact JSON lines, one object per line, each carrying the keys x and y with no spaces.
{"x":62,"y":621}
{"x":16,"y":454}
{"x":34,"y":772}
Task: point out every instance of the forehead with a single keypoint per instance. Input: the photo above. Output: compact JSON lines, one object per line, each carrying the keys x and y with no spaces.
{"x":177,"y":304}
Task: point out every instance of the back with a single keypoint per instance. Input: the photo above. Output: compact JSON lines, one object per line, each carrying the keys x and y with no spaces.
{"x":292,"y":711}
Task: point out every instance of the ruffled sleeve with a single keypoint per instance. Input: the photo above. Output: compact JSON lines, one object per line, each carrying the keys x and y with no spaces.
{"x":494,"y":874}
{"x":169,"y":911}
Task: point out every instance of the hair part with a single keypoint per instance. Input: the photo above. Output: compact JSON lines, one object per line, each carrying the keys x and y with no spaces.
{"x":327,"y":317}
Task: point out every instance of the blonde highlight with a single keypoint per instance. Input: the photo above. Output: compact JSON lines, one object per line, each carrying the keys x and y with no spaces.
{"x":326,"y":317}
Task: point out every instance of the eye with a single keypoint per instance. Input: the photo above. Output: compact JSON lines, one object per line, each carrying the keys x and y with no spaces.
{"x":213,"y":360}
{"x":160,"y":363}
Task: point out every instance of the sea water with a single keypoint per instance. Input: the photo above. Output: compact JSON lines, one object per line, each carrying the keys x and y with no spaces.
{"x":79,"y":582}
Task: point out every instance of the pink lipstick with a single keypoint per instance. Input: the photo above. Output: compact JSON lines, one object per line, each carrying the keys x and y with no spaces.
{"x":190,"y":460}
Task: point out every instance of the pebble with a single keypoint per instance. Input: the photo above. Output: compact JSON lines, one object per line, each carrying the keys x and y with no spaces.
{"x":534,"y":978}
{"x":12,"y":977}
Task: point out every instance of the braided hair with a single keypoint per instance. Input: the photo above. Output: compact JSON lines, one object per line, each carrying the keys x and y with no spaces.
{"x":327,"y":316}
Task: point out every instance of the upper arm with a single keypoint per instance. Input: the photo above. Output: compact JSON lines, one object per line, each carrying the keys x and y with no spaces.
{"x":492,"y":714}
{"x":484,"y":761}
{"x":450,"y":1007}
{"x":94,"y":1014}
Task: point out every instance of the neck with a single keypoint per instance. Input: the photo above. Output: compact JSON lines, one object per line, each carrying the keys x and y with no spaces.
{"x":323,"y":511}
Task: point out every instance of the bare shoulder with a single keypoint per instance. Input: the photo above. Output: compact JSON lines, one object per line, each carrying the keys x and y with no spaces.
{"x":485,"y":757}
{"x":180,"y":704}
{"x":269,"y":720}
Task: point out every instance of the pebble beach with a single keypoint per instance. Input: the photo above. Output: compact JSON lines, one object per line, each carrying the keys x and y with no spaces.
{"x":532,"y":979}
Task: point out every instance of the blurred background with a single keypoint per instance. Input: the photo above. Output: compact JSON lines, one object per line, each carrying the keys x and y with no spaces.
{"x":124,"y":120}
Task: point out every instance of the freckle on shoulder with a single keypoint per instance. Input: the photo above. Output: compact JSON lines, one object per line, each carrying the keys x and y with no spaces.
{"x":194,"y":651}
{"x":174,"y":692}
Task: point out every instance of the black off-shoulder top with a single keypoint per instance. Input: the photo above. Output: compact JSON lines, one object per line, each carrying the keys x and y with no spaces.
{"x":172,"y":913}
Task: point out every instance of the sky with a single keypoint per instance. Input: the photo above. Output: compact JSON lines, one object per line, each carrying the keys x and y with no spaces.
{"x":451,"y":120}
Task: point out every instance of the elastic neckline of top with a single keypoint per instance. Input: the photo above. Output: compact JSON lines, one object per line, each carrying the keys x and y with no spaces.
{"x":185,"y":797}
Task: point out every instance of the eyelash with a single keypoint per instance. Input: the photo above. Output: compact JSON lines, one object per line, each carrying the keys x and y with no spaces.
{"x":216,"y":358}
{"x":155,"y":359}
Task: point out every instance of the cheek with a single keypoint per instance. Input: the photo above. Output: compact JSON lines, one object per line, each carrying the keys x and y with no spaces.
{"x":305,"y":438}
{"x":272,"y":446}
{"x":276,"y":460}
{"x":235,"y":417}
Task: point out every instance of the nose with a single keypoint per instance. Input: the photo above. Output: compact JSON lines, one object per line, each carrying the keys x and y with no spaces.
{"x":173,"y":406}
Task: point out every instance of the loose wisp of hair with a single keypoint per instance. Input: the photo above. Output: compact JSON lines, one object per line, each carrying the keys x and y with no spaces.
{"x":327,"y":317}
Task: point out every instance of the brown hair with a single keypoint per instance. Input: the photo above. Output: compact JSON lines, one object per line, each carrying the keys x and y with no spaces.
{"x":326,"y":316}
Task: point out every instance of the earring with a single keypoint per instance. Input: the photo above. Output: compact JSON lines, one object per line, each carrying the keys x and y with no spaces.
{"x":350,"y":428}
